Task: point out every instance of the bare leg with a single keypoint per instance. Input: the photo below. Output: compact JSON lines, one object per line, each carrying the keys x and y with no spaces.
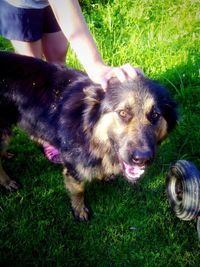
{"x":32,"y":49}
{"x":55,"y":47}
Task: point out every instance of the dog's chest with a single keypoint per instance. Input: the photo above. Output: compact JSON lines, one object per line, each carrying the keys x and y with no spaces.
{"x":101,"y":171}
{"x":109,"y":166}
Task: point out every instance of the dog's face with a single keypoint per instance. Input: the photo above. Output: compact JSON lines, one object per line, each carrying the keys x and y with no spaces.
{"x":136,"y":116}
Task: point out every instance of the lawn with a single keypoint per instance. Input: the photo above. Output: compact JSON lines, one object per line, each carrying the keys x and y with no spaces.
{"x":131,"y":225}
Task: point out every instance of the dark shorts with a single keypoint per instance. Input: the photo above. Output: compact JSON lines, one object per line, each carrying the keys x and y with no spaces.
{"x":26,"y":24}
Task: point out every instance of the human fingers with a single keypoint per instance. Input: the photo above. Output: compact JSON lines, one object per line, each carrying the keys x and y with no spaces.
{"x":112,"y":72}
{"x":104,"y":83}
{"x":116,"y":72}
{"x":132,"y":72}
{"x":122,"y":73}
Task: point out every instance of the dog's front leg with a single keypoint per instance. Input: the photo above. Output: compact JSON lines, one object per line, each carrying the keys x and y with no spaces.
{"x":76,"y":191}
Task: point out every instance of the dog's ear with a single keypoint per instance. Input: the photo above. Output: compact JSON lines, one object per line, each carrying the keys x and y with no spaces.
{"x":171,"y":114}
{"x":94,"y":94}
{"x":166,"y":103}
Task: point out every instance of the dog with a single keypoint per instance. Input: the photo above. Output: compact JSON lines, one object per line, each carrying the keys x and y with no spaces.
{"x":98,"y":133}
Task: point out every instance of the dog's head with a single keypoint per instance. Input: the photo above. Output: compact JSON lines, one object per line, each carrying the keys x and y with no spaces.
{"x":130,"y":120}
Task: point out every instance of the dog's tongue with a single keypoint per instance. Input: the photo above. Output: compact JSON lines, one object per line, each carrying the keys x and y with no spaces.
{"x":132,"y":172}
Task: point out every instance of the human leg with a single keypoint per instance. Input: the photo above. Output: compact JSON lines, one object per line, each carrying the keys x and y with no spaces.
{"x":55,"y":46}
{"x":54,"y":42}
{"x":32,"y":49}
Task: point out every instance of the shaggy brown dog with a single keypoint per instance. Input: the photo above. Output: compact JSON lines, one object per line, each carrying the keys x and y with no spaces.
{"x":99,"y":134}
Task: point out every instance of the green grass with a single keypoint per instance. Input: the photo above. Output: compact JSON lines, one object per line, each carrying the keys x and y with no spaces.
{"x":131,"y":225}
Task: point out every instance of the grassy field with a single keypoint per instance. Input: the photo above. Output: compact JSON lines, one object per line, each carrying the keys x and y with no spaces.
{"x":131,"y":225}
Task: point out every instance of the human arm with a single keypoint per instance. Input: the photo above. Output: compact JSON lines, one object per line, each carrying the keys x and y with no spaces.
{"x":73,"y":25}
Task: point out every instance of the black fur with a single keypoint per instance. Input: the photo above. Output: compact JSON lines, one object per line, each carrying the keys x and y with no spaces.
{"x":62,"y":106}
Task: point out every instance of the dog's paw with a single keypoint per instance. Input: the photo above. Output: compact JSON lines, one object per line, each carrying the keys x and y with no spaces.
{"x":11,"y":185}
{"x":7,"y":155}
{"x":82,"y":215}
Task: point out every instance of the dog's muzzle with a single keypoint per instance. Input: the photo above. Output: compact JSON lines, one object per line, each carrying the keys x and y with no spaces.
{"x":132,"y":172}
{"x":139,"y":160}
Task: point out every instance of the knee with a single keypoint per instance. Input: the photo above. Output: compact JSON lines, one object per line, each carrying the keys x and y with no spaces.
{"x":57,"y":55}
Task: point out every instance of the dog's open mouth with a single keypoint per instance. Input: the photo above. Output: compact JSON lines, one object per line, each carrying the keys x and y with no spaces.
{"x":132,"y":172}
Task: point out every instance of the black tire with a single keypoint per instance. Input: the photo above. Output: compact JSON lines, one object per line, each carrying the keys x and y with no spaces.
{"x":198,"y":227}
{"x":183,"y":189}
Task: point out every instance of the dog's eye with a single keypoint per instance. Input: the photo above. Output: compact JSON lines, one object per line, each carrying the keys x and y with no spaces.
{"x":154,"y":116}
{"x":123,"y":113}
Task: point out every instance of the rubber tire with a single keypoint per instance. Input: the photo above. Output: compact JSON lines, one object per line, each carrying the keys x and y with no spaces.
{"x":198,"y":227}
{"x":183,"y":189}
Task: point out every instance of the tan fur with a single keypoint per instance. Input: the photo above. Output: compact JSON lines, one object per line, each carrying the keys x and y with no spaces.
{"x":76,"y":191}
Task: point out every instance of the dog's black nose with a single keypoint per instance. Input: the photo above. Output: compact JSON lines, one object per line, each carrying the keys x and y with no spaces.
{"x":142,"y":157}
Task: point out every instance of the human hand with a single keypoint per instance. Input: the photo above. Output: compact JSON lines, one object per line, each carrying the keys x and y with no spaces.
{"x":102,"y":74}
